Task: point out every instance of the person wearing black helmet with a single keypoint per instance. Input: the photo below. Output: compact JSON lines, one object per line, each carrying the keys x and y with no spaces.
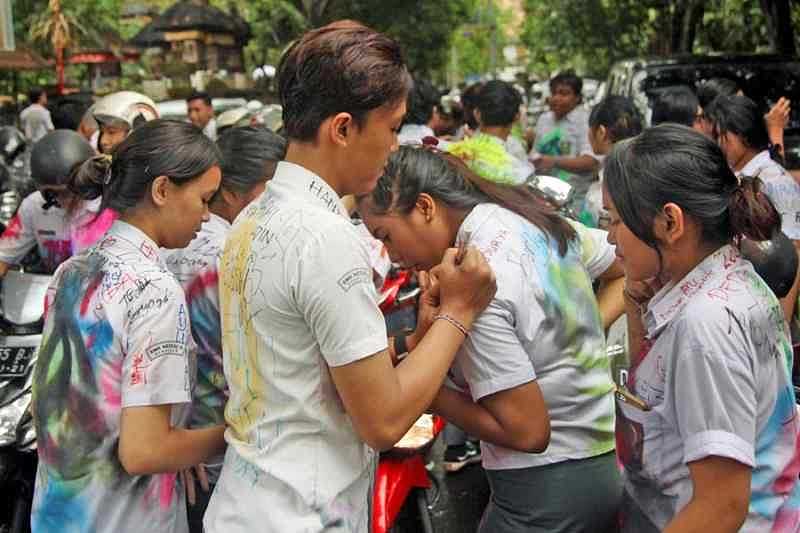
{"x":52,"y":219}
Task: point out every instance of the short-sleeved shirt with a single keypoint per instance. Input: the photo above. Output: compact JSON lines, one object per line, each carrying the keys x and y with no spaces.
{"x":116,"y":335}
{"x":488,"y":156}
{"x":566,"y":137}
{"x":35,"y":121}
{"x":780,"y":187}
{"x":196,"y":268}
{"x":543,"y":324}
{"x":56,"y":234}
{"x":715,"y":373}
{"x":297,"y":298}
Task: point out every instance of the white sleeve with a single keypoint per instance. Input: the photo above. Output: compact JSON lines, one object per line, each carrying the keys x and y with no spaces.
{"x":19,"y":238}
{"x":159,"y":362}
{"x":493,"y":359}
{"x":336,"y":295}
{"x":715,"y":397}
{"x":596,"y":253}
{"x":583,"y":146}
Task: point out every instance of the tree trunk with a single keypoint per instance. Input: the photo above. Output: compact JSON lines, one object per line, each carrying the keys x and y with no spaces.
{"x":779,"y":23}
{"x":60,"y":69}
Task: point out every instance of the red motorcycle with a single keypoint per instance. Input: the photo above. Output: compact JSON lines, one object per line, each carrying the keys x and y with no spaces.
{"x":401,"y":477}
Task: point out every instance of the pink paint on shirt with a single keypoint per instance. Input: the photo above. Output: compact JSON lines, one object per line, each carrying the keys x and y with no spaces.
{"x":90,"y":233}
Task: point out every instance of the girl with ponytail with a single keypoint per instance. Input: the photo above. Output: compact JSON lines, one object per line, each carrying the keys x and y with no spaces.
{"x":116,"y":367}
{"x":534,"y":363}
{"x":706,"y":421}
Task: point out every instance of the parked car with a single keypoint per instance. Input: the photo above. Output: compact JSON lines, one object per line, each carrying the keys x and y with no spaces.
{"x":764,"y":78}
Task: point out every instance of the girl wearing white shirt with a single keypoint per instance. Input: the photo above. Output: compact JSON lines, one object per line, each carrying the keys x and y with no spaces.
{"x":249,"y":157}
{"x":117,"y":362}
{"x":535,"y":361}
{"x":707,"y":426}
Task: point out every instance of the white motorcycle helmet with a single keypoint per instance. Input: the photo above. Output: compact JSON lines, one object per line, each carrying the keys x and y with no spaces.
{"x":127,"y":107}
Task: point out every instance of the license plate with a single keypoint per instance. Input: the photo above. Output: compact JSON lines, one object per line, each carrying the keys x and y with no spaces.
{"x":15,"y":360}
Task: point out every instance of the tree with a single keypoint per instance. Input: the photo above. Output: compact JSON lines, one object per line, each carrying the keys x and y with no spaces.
{"x":56,"y":26}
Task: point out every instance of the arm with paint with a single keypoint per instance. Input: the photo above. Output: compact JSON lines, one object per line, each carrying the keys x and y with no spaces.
{"x":19,"y":237}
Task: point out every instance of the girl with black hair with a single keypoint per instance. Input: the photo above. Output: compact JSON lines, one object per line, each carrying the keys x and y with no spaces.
{"x":612,"y":120}
{"x":739,"y":128}
{"x":116,"y":366}
{"x":534,"y":362}
{"x":249,"y":157}
{"x":706,"y":422}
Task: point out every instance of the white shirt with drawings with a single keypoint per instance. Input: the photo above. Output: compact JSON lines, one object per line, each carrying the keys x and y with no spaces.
{"x":780,"y":187}
{"x":297,"y":298}
{"x":543,"y":324}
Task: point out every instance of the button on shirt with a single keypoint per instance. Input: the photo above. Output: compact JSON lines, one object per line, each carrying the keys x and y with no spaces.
{"x":116,"y":335}
{"x":297,"y":298}
{"x":196,"y":268}
{"x":543,"y":325}
{"x":717,"y":380}
{"x":36,"y":122}
{"x":56,"y":235}
{"x":780,"y":187}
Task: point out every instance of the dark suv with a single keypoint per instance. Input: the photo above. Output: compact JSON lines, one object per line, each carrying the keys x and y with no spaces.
{"x":764,"y":78}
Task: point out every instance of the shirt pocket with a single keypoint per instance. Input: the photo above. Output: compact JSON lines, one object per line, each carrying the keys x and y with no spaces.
{"x":640,"y":440}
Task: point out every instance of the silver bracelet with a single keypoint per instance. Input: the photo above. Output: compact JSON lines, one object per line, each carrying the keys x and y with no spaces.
{"x":454,"y":322}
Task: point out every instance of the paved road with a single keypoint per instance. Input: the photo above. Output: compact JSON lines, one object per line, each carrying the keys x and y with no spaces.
{"x":456,"y":500}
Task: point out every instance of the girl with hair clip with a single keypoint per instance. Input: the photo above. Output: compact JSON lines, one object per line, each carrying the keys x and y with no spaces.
{"x":706,"y":422}
{"x":612,"y":120}
{"x":249,"y":157}
{"x":116,"y":366}
{"x":534,"y":364}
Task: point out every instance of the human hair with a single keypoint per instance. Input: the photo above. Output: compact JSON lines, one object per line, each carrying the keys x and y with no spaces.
{"x":412,"y":171}
{"x":249,"y":157}
{"x":161,"y":147}
{"x":422,"y":99}
{"x":469,"y":102}
{"x":671,"y":163}
{"x":34,"y":94}
{"x":568,"y":78}
{"x":677,"y":104}
{"x":197,"y":95}
{"x":343,"y":67}
{"x":740,"y":116}
{"x":619,"y":115}
{"x":498,"y":103}
{"x":708,"y":91}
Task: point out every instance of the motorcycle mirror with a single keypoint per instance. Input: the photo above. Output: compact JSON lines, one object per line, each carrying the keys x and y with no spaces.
{"x":555,"y":190}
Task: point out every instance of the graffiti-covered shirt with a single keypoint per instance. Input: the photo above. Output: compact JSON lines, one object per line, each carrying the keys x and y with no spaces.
{"x":715,"y":381}
{"x":116,"y":335}
{"x":56,"y":234}
{"x":780,"y":187}
{"x":195,"y":267}
{"x":296,"y":297}
{"x":543,"y":324}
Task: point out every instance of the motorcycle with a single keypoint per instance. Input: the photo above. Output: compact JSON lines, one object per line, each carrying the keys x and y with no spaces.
{"x":22,"y":304}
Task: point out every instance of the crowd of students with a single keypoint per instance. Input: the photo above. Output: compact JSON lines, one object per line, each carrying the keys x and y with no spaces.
{"x":225,"y":326}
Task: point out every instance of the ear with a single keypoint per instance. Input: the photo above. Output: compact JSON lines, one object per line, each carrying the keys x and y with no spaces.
{"x":159,"y":190}
{"x":426,"y":206}
{"x":602,"y":133}
{"x":477,"y":114}
{"x":229,"y":197}
{"x":670,"y":225}
{"x":340,"y":127}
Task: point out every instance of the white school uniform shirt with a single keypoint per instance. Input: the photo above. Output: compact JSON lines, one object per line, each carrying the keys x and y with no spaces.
{"x":543,"y":324}
{"x":196,"y":268}
{"x":116,"y":335}
{"x":56,"y":235}
{"x":715,"y":371}
{"x":780,"y":187}
{"x":36,"y":122}
{"x":297,"y":298}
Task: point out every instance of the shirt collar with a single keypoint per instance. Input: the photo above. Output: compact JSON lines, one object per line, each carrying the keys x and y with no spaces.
{"x":301,"y":182}
{"x":218,"y":221}
{"x":137,"y":239}
{"x":756,"y":165}
{"x":672,"y":298}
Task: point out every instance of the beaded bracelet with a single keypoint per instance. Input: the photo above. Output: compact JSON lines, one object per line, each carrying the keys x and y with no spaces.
{"x":458,"y":325}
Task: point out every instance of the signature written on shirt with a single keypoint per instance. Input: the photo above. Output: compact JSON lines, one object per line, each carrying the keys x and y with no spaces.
{"x":151,"y":304}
